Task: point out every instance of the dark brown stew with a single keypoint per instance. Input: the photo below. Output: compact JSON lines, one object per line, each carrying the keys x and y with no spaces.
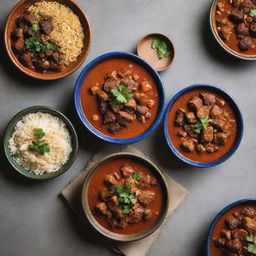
{"x":125,"y":197}
{"x":202,"y":125}
{"x":236,"y":24}
{"x":31,"y":45}
{"x":235,"y":233}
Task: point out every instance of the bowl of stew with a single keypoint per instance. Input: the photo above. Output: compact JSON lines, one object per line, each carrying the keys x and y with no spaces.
{"x":47,"y":40}
{"x":203,"y":125}
{"x":125,"y":197}
{"x":233,"y":23}
{"x":232,"y":232}
{"x":119,"y":98}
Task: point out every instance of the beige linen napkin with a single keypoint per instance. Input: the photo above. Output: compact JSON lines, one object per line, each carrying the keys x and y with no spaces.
{"x":72,"y":194}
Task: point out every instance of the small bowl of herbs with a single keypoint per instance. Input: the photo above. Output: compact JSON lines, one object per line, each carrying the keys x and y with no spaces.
{"x":157,"y":49}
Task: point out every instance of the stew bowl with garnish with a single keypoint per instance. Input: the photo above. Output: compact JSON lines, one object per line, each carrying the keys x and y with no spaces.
{"x":47,"y":40}
{"x":203,"y":125}
{"x":233,"y":23}
{"x":40,"y":143}
{"x":233,"y":230}
{"x":119,"y":98}
{"x":125,"y":197}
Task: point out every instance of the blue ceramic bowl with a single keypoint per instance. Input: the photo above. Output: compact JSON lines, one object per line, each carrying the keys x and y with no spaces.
{"x":89,"y":67}
{"x":219,"y":215}
{"x":239,"y":120}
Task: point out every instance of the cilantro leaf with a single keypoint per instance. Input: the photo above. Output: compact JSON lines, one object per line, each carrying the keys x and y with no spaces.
{"x":39,"y":147}
{"x":253,"y":13}
{"x":39,"y":133}
{"x":161,"y":47}
{"x":250,"y":238}
{"x":137,"y":175}
{"x":126,"y":198}
{"x":251,"y":248}
{"x":202,"y":124}
{"x":35,"y":27}
{"x":122,"y":94}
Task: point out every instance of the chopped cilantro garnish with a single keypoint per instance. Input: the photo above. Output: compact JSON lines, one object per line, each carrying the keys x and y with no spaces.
{"x":35,"y":27}
{"x":202,"y":124}
{"x":137,"y":175}
{"x":251,"y":245}
{"x":161,"y":47}
{"x":252,"y":13}
{"x":39,"y":133}
{"x":126,"y":198}
{"x":122,"y":94}
{"x":39,"y":147}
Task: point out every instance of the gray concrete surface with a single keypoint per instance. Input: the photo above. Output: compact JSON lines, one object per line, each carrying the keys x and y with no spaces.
{"x":33,"y":219}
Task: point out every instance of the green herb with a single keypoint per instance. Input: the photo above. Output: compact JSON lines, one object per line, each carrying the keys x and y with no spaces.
{"x":252,"y":13}
{"x":126,"y":198}
{"x":39,"y":147}
{"x":122,"y":94}
{"x":137,"y":175}
{"x":39,"y":133}
{"x":161,"y":47}
{"x":251,"y":246}
{"x":202,"y":124}
{"x":35,"y":27}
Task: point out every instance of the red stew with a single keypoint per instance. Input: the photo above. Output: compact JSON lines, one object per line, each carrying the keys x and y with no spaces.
{"x":125,"y":197}
{"x":202,"y":125}
{"x":125,"y":117}
{"x":236,"y":24}
{"x":234,"y":233}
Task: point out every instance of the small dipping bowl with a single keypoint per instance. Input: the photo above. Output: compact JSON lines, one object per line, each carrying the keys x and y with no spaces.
{"x":18,"y":9}
{"x":145,"y":51}
{"x":11,"y":128}
{"x":239,"y":120}
{"x":217,"y":218}
{"x":124,"y":237}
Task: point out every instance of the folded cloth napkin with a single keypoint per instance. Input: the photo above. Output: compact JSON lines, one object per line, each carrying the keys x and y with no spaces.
{"x":72,"y":194}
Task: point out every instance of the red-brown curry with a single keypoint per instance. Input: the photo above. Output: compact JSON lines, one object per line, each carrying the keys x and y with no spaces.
{"x":120,"y":98}
{"x":202,"y":125}
{"x":234,"y":233}
{"x":236,"y":24}
{"x":125,"y":197}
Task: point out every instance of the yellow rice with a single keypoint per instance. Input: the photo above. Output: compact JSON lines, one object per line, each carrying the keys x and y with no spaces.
{"x":67,"y":31}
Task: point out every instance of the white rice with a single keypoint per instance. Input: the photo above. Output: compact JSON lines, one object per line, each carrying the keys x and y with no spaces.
{"x":56,"y":135}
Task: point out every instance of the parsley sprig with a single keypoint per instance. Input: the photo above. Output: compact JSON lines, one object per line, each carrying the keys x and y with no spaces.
{"x":251,"y":246}
{"x":202,"y":124}
{"x":137,"y":175}
{"x":126,"y":198}
{"x":122,"y":94}
{"x":253,"y":13}
{"x":161,"y":47}
{"x":37,"y":146}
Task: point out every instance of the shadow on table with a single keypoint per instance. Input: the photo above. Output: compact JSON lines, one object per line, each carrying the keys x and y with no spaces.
{"x":215,"y":51}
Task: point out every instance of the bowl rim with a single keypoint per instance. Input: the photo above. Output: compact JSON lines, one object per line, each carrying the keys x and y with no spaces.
{"x":218,"y":39}
{"x":219,"y":215}
{"x":39,"y":76}
{"x":79,"y":84}
{"x":166,"y":38}
{"x":239,"y":130}
{"x":122,"y":237}
{"x":12,"y":124}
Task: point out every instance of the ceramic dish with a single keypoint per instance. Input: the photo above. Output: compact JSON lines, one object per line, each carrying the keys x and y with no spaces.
{"x":236,"y":111}
{"x":99,"y":60}
{"x":125,"y":237}
{"x":145,"y":51}
{"x":218,"y":217}
{"x":17,"y":11}
{"x":11,"y":128}
{"x":219,"y":40}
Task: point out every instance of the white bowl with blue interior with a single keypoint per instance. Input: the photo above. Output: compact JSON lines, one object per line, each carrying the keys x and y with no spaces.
{"x":77,"y":96}
{"x":239,"y":120}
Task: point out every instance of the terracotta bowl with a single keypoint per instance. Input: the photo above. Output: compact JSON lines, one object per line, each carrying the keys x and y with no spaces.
{"x":220,"y":41}
{"x":107,"y":233}
{"x":145,"y":51}
{"x":18,"y":9}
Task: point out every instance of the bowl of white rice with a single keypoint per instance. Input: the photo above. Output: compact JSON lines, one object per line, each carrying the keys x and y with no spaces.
{"x":40,"y":143}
